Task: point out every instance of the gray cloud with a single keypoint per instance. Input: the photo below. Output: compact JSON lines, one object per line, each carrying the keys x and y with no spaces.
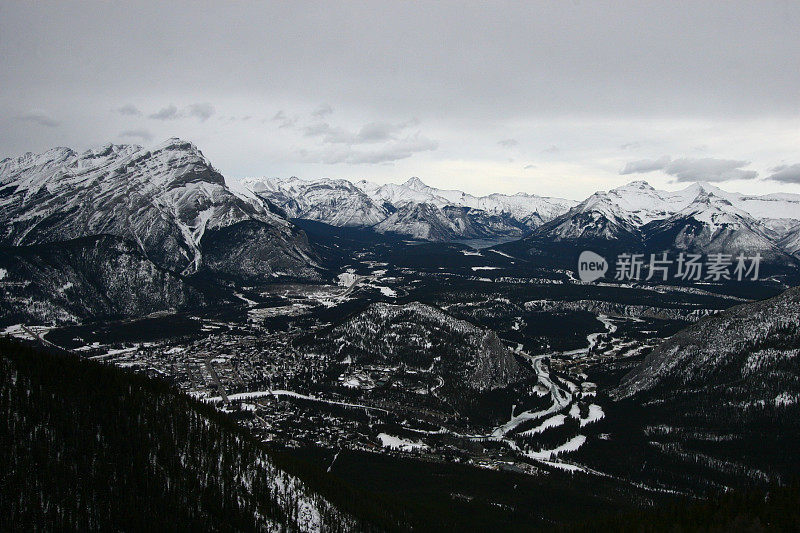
{"x":786,"y":173}
{"x":474,"y":72}
{"x":528,"y":167}
{"x":166,"y":113}
{"x":552,"y":149}
{"x":508,"y":143}
{"x":709,"y":169}
{"x":322,"y":111}
{"x":630,"y":145}
{"x":398,"y":150}
{"x":129,"y":109}
{"x":202,"y":111}
{"x":374,"y":132}
{"x":317,"y":130}
{"x":377,"y":132}
{"x":283,"y":120}
{"x":37,"y":116}
{"x":142,"y":134}
{"x":392,"y":151}
{"x":693,"y":169}
{"x":645,"y":165}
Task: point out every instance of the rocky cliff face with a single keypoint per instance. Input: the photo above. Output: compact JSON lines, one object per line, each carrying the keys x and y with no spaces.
{"x":165,"y":200}
{"x":117,"y":231}
{"x":89,"y":278}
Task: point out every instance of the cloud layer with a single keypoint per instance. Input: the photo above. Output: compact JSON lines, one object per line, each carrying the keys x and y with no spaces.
{"x":693,"y":169}
{"x":37,"y":116}
{"x":202,"y":111}
{"x":786,"y":173}
{"x":278,"y":87}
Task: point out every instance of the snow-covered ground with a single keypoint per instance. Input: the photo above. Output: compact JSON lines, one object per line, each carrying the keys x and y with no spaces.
{"x":398,"y":443}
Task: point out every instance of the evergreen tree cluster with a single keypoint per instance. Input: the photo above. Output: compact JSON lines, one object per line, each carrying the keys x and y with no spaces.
{"x":84,"y":446}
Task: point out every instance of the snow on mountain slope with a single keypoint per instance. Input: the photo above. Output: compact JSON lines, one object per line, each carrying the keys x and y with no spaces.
{"x":420,"y":221}
{"x":334,"y":202}
{"x":520,"y":206}
{"x":412,"y":208}
{"x":711,"y":224}
{"x":597,"y":217}
{"x":791,"y":242}
{"x":779,"y":228}
{"x":165,"y":200}
{"x":743,"y":350}
{"x":700,"y":218}
{"x":775,"y":205}
{"x":398,"y":195}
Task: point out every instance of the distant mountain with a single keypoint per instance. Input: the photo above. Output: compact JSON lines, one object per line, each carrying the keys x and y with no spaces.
{"x":599,"y":217}
{"x":636,"y":218}
{"x":334,"y":202}
{"x":711,"y":224}
{"x":169,"y":201}
{"x":412,"y":209}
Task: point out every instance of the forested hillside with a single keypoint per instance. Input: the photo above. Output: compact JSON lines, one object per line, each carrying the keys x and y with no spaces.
{"x":89,"y":447}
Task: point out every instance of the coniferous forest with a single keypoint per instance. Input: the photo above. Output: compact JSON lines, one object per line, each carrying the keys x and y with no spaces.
{"x":85,"y":446}
{"x":89,"y":447}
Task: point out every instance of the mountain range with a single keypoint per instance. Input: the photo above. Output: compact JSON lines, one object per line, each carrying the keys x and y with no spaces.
{"x":412,"y":209}
{"x":700,"y":218}
{"x":78,"y":230}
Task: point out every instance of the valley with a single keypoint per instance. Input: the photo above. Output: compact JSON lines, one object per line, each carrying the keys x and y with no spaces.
{"x":277,"y":361}
{"x":378,"y":332}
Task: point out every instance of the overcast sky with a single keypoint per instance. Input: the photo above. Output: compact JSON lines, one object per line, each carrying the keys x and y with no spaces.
{"x":556,"y":98}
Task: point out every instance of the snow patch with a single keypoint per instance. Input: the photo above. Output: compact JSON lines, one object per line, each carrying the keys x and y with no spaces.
{"x":398,"y":443}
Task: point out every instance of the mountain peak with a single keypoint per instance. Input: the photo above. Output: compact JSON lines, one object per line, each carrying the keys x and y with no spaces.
{"x":636,"y":184}
{"x":416,"y":184}
{"x":708,"y":198}
{"x":176,"y":143}
{"x":713,"y":209}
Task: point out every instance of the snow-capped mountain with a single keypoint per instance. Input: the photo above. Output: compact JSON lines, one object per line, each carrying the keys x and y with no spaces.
{"x":711,"y":224}
{"x":596,"y":218}
{"x":615,"y":215}
{"x":520,"y":206}
{"x":429,"y":222}
{"x":334,"y":202}
{"x":421,"y":221}
{"x":412,"y":208}
{"x":168,"y":200}
{"x":700,"y":218}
